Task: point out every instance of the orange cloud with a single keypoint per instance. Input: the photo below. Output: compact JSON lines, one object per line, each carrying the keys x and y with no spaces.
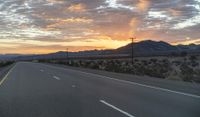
{"x":134,"y":23}
{"x":175,"y":12}
{"x":77,"y":8}
{"x":187,"y":42}
{"x":61,"y":22}
{"x":55,"y":1}
{"x":143,"y":5}
{"x":139,"y":33}
{"x":72,"y":20}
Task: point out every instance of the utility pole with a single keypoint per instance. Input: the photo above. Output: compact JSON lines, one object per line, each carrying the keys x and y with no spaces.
{"x":67,"y":53}
{"x":132,"y":39}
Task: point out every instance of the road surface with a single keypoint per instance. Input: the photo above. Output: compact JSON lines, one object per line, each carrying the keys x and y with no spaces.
{"x":41,"y":90}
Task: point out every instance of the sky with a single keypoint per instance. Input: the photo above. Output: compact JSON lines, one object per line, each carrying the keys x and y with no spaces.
{"x":44,"y":26}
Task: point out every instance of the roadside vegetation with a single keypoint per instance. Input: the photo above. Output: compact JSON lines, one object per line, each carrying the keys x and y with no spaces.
{"x":5,"y":63}
{"x":185,"y":68}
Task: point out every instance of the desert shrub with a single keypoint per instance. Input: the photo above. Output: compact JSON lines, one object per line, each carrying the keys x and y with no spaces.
{"x":109,"y":67}
{"x":153,"y":68}
{"x":177,"y":63}
{"x":165,"y":61}
{"x":174,"y":54}
{"x":186,"y":72}
{"x":129,"y":69}
{"x":186,"y":69}
{"x":138,"y":69}
{"x":44,"y":60}
{"x":193,"y":61}
{"x":87,"y":64}
{"x":194,"y":64}
{"x":136,"y":60}
{"x":157,"y":70}
{"x":193,"y":58}
{"x":144,"y":62}
{"x":113,"y":65}
{"x":93,"y":65}
{"x":61,"y":62}
{"x":173,"y":75}
{"x":197,"y":76}
{"x":183,"y":53}
{"x":73,"y":63}
{"x":153,"y":60}
{"x":3,"y":64}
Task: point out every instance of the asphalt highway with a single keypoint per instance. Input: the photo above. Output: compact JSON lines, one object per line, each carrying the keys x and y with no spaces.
{"x":42,"y":90}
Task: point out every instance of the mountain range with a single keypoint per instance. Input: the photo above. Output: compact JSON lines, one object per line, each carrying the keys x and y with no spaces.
{"x":153,"y":48}
{"x":143,"y":48}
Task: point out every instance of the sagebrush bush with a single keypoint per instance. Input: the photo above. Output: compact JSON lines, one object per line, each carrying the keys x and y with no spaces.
{"x":186,"y":72}
{"x":6,"y":63}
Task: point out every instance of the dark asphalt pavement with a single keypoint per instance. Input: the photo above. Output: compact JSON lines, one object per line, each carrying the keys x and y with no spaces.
{"x":40,"y":90}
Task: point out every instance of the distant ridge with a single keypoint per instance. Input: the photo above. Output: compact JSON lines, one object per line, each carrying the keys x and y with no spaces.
{"x":143,"y":48}
{"x":147,"y":47}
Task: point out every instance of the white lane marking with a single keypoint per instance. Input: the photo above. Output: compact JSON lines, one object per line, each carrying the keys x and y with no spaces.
{"x":129,"y":82}
{"x":57,"y":78}
{"x":42,"y":70}
{"x":5,"y":77}
{"x":114,"y":107}
{"x":73,"y":86}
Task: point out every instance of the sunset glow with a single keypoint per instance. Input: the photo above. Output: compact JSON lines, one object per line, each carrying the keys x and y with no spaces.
{"x":44,"y":26}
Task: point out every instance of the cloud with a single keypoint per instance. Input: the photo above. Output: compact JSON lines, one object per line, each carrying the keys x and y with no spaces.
{"x":143,"y":5}
{"x":190,"y":21}
{"x":114,"y":4}
{"x":72,"y":20}
{"x":62,"y":22}
{"x":77,"y":7}
{"x":104,"y":21}
{"x":188,"y":41}
{"x":134,"y":23}
{"x":52,"y":2}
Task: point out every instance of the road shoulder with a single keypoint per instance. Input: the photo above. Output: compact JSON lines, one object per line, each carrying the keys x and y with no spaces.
{"x":180,"y":86}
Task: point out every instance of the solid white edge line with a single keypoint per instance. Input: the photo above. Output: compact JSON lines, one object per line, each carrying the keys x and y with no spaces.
{"x":5,"y":77}
{"x":130,"y":82}
{"x":148,"y":86}
{"x":114,"y":107}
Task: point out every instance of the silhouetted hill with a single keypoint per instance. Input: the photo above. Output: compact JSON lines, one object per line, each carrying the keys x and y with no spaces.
{"x":143,"y":48}
{"x":147,"y":47}
{"x":189,"y":47}
{"x":8,"y":56}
